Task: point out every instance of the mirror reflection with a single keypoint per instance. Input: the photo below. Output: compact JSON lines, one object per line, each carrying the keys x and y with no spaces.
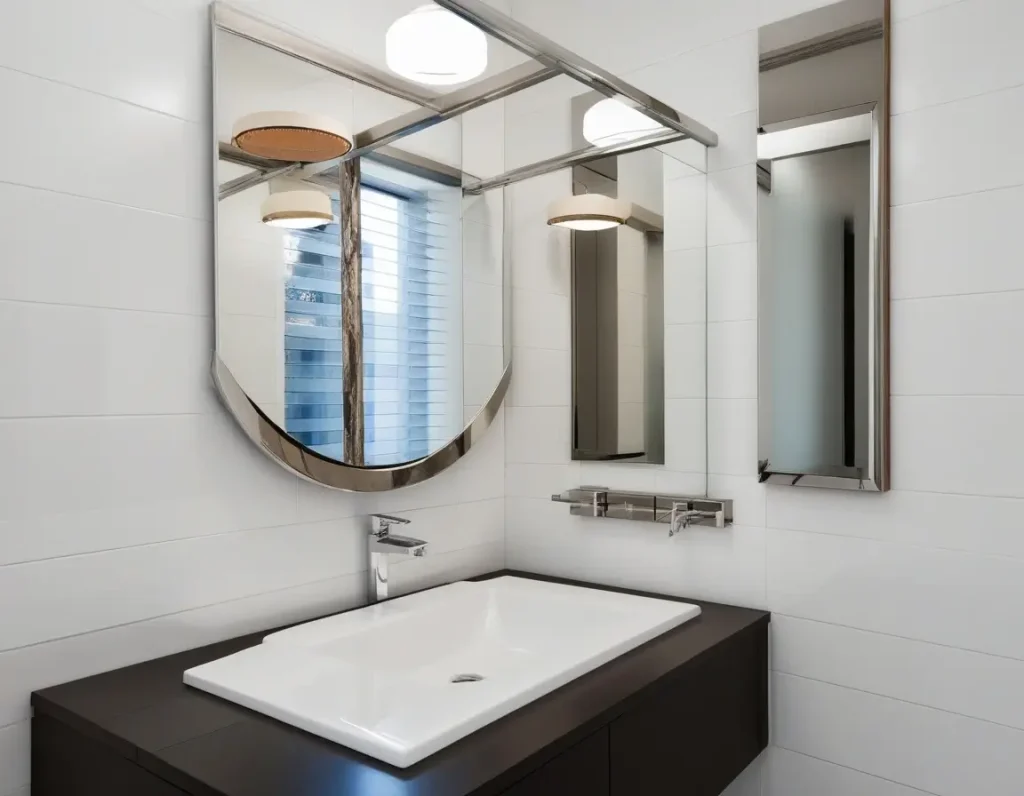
{"x":360,"y":305}
{"x":821,"y":210}
{"x":617,"y":310}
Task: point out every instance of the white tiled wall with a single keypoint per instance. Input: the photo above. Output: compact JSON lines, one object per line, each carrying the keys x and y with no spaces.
{"x":898,"y":665}
{"x":135,"y":520}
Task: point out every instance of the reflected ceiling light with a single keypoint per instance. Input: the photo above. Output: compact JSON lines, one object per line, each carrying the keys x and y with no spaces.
{"x":588,"y":212}
{"x":433,"y":46}
{"x":297,"y":209}
{"x":291,"y":136}
{"x":611,"y":122}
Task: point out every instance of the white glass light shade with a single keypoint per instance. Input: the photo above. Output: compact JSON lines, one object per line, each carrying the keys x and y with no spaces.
{"x":610,"y":122}
{"x":297,"y":209}
{"x":433,"y":46}
{"x":588,"y":212}
{"x":291,"y":136}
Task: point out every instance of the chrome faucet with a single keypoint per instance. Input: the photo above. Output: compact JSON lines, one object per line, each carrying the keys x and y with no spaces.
{"x":682,"y":515}
{"x":382,"y":544}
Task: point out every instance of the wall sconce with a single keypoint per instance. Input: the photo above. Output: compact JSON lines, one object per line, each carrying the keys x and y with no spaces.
{"x":588,"y":212}
{"x":611,"y":122}
{"x":291,"y":136}
{"x":297,"y":209}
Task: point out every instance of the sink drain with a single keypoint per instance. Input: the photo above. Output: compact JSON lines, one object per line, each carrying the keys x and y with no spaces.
{"x":466,"y":678}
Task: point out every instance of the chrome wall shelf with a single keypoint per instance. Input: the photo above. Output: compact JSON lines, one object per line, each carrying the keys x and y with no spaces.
{"x":676,"y":511}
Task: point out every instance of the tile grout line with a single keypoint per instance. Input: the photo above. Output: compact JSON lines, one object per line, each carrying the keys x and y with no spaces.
{"x":896,"y":635}
{"x":900,"y":700}
{"x":851,"y":768}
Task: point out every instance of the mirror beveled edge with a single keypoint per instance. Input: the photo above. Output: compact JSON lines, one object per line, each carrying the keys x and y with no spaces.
{"x":876,"y":476}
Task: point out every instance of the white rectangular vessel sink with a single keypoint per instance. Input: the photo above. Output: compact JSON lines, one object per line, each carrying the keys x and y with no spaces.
{"x":401,"y":680}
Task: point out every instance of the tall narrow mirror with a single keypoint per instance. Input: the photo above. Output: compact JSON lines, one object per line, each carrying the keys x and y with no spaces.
{"x":618,"y":315}
{"x":822,"y":178}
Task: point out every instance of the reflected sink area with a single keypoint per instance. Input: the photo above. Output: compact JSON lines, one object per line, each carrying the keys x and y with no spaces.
{"x":401,"y":680}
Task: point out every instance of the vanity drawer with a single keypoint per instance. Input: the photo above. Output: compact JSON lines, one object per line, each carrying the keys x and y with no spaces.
{"x":582,"y":770}
{"x":699,"y":731}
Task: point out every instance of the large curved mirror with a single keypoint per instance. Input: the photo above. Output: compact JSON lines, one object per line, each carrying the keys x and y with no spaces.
{"x":361,"y":320}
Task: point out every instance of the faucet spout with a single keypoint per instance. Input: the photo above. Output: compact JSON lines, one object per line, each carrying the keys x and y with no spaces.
{"x":383,"y":544}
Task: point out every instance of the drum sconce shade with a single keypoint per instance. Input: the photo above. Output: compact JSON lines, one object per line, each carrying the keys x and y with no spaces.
{"x":588,"y":212}
{"x":297,"y":209}
{"x":291,"y":136}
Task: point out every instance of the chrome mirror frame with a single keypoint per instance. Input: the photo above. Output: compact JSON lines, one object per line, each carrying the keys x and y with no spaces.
{"x":550,"y":60}
{"x":875,"y":476}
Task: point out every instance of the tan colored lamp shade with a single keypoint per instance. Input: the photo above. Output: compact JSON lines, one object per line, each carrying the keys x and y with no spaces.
{"x":291,"y":136}
{"x":588,"y":212}
{"x":297,"y":209}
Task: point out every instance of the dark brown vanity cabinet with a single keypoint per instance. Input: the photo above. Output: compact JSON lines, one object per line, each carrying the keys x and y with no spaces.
{"x":683,"y":714}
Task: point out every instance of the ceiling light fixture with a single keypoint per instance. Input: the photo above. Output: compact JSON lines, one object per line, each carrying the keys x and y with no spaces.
{"x":291,"y":136}
{"x":297,"y":209}
{"x":611,"y":122}
{"x":432,"y":46}
{"x":588,"y":212}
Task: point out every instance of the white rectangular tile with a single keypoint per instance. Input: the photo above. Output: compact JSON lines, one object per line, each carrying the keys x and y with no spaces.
{"x":672,"y":482}
{"x":792,"y":774}
{"x":969,"y":683}
{"x":14,"y":757}
{"x":732,"y":436}
{"x":737,"y":142}
{"x":539,"y":480}
{"x":42,"y":665}
{"x":904,"y":9}
{"x":102,"y":492}
{"x":481,"y":309}
{"x":926,"y":519}
{"x":685,"y":356}
{"x":686,"y":208}
{"x":84,"y":361}
{"x":686,"y":435}
{"x":685,"y":286}
{"x":104,"y":255}
{"x":732,"y":359}
{"x":732,"y":206}
{"x":482,"y":367}
{"x":540,"y":320}
{"x":967,"y":445}
{"x":732,"y":282}
{"x":168,"y":58}
{"x":120,"y":140}
{"x":702,"y":563}
{"x":482,"y":252}
{"x":537,"y":434}
{"x":956,"y":345}
{"x":944,"y":597}
{"x":987,"y":56}
{"x":450,"y":528}
{"x":128,"y":585}
{"x":923,"y":166}
{"x":964,"y":244}
{"x":541,"y":259}
{"x":713,"y":83}
{"x":937,"y":752}
{"x":623,"y":38}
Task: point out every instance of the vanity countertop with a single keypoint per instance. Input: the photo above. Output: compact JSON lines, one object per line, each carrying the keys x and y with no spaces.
{"x":204,"y":745}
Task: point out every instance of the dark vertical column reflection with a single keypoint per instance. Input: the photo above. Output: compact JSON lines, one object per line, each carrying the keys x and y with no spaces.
{"x":352,"y":314}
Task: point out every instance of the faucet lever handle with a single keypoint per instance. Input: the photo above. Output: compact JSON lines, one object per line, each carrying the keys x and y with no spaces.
{"x":382,"y":522}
